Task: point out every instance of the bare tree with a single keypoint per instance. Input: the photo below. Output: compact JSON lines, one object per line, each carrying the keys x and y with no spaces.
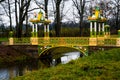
{"x":23,"y":6}
{"x":57,"y":18}
{"x":106,"y":8}
{"x":16,"y":15}
{"x":46,"y":8}
{"x":116,"y":12}
{"x":7,"y":8}
{"x":10,"y":17}
{"x":62,"y":10}
{"x":39,"y":3}
{"x":80,"y":6}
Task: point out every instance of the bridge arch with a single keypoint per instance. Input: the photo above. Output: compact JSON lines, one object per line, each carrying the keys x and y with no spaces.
{"x":45,"y":50}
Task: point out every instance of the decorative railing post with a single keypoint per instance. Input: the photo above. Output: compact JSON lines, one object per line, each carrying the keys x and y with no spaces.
{"x":11,"y":38}
{"x":118,"y":33}
{"x":118,"y":39}
{"x":92,"y":41}
{"x":34,"y":40}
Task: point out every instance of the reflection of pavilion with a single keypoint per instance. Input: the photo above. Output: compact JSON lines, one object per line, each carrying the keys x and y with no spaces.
{"x":40,"y":18}
{"x":97,"y":23}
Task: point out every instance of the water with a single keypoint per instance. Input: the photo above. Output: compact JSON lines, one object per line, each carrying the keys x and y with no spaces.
{"x":69,"y":56}
{"x":44,"y":62}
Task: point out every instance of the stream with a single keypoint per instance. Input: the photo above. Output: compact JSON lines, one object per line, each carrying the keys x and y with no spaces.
{"x":6,"y":73}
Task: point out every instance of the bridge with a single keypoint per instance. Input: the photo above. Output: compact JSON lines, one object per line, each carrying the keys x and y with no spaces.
{"x":79,"y":43}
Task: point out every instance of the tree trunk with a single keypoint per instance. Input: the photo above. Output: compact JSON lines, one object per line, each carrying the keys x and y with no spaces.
{"x":23,"y":8}
{"x":20,"y":29}
{"x":80,"y":25}
{"x":16,"y":17}
{"x":117,"y":18}
{"x":26,"y":34}
{"x":10,"y":15}
{"x":58,"y":22}
{"x":46,"y":9}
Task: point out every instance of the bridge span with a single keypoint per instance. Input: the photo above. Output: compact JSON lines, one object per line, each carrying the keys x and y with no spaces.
{"x":66,"y":41}
{"x":80,"y":43}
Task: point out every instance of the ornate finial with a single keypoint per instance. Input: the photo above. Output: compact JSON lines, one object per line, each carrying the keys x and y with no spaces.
{"x":97,"y":8}
{"x":97,"y":15}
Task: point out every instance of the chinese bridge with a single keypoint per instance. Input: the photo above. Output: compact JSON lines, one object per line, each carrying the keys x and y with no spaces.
{"x":79,"y":43}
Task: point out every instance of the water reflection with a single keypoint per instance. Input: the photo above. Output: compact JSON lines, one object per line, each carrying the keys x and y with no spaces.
{"x":44,"y":61}
{"x":63,"y":58}
{"x":8,"y":73}
{"x":69,"y":56}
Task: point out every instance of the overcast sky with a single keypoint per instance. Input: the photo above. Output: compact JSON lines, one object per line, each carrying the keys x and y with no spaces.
{"x":68,"y":10}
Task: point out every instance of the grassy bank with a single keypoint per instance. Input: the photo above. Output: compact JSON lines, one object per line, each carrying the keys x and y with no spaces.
{"x":102,"y":65}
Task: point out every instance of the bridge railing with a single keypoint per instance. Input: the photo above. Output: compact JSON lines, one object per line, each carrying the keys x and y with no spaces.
{"x":67,"y":41}
{"x":21,"y":41}
{"x":83,"y":41}
{"x":110,"y":42}
{"x":107,"y":41}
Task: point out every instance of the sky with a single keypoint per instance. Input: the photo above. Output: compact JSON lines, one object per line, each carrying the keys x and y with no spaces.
{"x":68,"y":10}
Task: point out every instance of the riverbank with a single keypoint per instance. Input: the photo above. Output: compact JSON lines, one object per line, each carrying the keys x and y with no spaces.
{"x":102,"y":65}
{"x":10,"y":56}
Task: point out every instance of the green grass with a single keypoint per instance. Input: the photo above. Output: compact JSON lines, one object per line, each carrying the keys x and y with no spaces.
{"x":102,"y":65}
{"x":3,"y":39}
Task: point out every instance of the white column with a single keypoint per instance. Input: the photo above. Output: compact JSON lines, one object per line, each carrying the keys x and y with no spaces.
{"x":90,"y":26}
{"x":33,"y":28}
{"x":47,"y":28}
{"x":36,"y":27}
{"x":44,"y":28}
{"x":103,"y":29}
{"x":95,"y":26}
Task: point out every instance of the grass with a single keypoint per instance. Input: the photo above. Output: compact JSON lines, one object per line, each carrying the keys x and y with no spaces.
{"x":3,"y":39}
{"x":102,"y":65}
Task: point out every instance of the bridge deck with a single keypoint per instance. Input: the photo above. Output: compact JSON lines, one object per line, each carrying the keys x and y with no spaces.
{"x":66,"y":41}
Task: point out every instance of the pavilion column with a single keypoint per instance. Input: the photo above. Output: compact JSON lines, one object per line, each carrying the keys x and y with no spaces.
{"x":34,"y":38}
{"x":45,"y":30}
{"x":36,"y":30}
{"x":103,"y":29}
{"x":95,"y":28}
{"x":46,"y":34}
{"x":91,"y":33}
{"x":33,"y":30}
{"x":99,"y":29}
{"x":33,"y":27}
{"x":48,"y":30}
